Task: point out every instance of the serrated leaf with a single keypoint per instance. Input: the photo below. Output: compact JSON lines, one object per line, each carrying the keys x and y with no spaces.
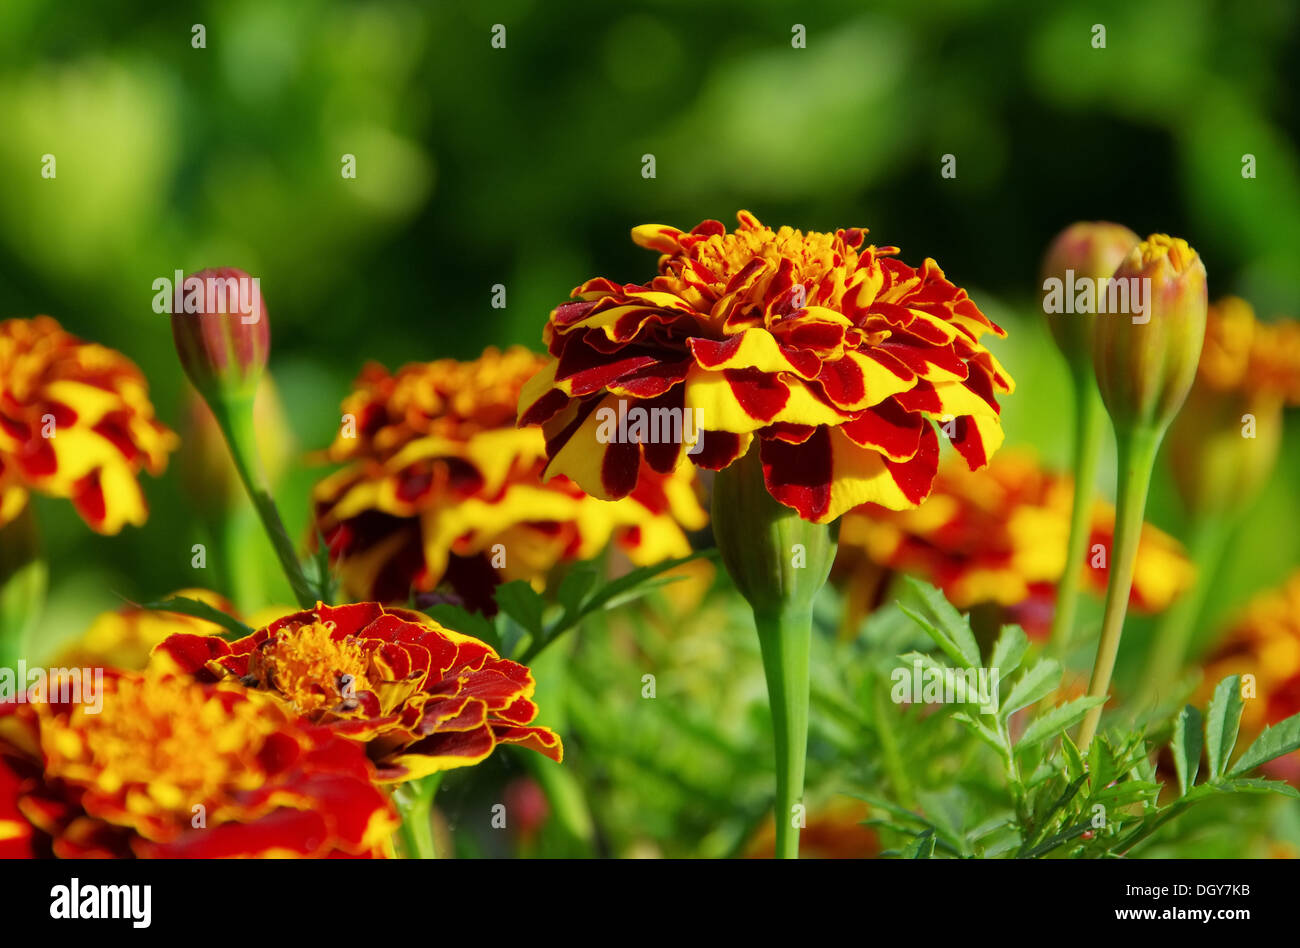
{"x":982,"y":731}
{"x":1009,"y":650}
{"x":1034,"y":685}
{"x":1222,"y":719}
{"x":1186,"y":745}
{"x":1058,"y":719}
{"x":520,"y":601}
{"x":1073,"y":758}
{"x":1276,"y":740}
{"x":183,"y":605}
{"x":943,"y":617}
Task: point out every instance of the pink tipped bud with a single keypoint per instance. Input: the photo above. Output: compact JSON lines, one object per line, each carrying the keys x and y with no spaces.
{"x":1081,"y":259}
{"x":221,"y":331}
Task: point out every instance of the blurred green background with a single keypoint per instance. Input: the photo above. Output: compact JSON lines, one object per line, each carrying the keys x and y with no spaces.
{"x":522,"y":166}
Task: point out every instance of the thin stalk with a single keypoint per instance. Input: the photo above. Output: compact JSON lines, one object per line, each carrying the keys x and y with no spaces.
{"x":1137,"y":454}
{"x":414,"y":802}
{"x":1089,"y":426}
{"x":235,"y":417}
{"x":785,"y":639}
{"x":1173,"y":635}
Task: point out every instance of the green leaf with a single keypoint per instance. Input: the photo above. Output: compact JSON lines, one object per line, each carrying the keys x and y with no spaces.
{"x":1278,"y":739}
{"x":520,"y":602}
{"x":1186,"y":746}
{"x":1009,"y":650}
{"x":1222,"y":719}
{"x":948,"y":627}
{"x":1260,"y":785}
{"x":185,"y":606}
{"x":1034,"y":685}
{"x":576,"y":586}
{"x":1072,"y":756}
{"x":638,"y":580}
{"x":922,"y":847}
{"x":1053,"y":722}
{"x":465,"y":622}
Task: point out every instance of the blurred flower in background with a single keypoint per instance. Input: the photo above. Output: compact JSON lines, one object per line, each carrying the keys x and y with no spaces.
{"x":997,"y":536}
{"x":442,"y":492}
{"x":75,"y":422}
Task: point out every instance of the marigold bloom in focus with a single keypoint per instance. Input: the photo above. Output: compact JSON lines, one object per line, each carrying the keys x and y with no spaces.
{"x":1264,"y":641}
{"x":75,"y":422}
{"x":998,"y":536}
{"x":836,"y":356}
{"x":423,"y":698}
{"x":131,"y":779}
{"x":1224,"y":444}
{"x":441,"y":489}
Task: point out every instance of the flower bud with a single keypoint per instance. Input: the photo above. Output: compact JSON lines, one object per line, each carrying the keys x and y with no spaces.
{"x":1079,"y":261}
{"x":221,"y":332}
{"x":1146,"y":346}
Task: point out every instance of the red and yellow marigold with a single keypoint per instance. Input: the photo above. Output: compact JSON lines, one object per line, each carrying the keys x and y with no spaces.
{"x":442,"y":492}
{"x":421,"y":697}
{"x":998,"y":536}
{"x":171,"y":767}
{"x":76,"y":423}
{"x":837,"y":356}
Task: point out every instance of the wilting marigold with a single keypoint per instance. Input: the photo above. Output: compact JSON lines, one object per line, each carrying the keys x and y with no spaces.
{"x":1264,"y":641}
{"x":421,"y":697}
{"x":75,"y":422}
{"x":835,"y":355}
{"x":999,"y":536}
{"x":175,"y":768}
{"x":441,"y":489}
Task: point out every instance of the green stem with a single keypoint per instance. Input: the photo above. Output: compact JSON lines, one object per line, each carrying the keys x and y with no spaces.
{"x":785,"y":638}
{"x":1088,"y":430}
{"x":414,"y":802}
{"x":1137,"y":455}
{"x":235,"y":417}
{"x":1173,"y":635}
{"x":23,"y":582}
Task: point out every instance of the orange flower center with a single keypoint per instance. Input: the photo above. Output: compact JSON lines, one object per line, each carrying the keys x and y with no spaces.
{"x":314,"y":670}
{"x":172,"y":742}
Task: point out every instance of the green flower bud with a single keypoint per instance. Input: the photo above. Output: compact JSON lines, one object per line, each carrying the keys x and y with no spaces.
{"x":221,"y":332}
{"x":1145,"y":349}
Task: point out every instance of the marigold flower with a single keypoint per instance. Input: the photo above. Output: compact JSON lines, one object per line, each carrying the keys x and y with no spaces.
{"x":75,"y":422}
{"x":835,"y":356}
{"x":171,"y":767}
{"x":1264,"y":641}
{"x":441,"y":489}
{"x":1224,"y":444}
{"x":998,"y":536}
{"x":423,"y":698}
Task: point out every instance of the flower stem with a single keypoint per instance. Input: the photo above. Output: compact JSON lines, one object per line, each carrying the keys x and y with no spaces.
{"x":785,"y":638}
{"x":1174,"y":633}
{"x":1137,"y":454}
{"x":1089,"y":422}
{"x":23,"y":580}
{"x":235,"y":417}
{"x":414,"y":802}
